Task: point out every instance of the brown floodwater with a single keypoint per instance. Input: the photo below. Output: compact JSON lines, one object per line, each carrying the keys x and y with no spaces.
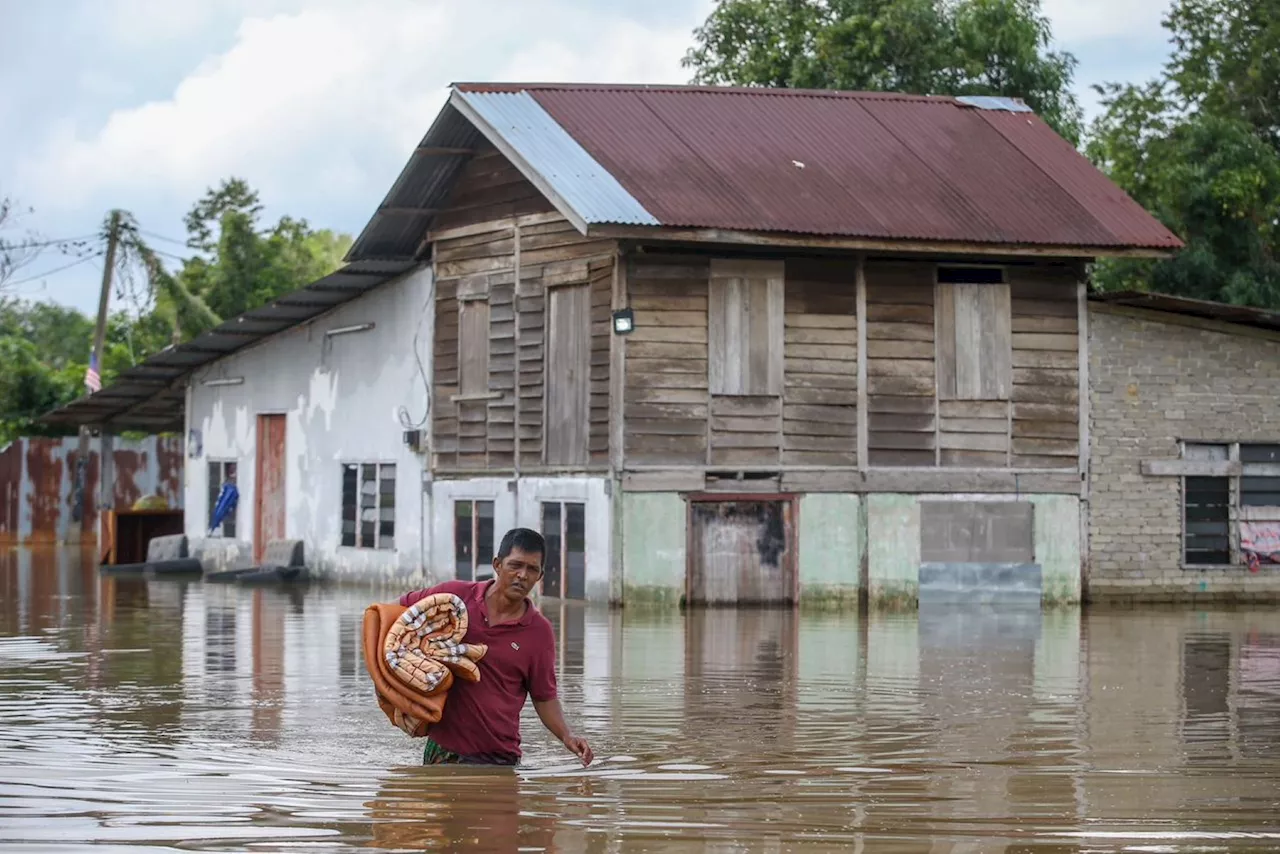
{"x":160,"y":715}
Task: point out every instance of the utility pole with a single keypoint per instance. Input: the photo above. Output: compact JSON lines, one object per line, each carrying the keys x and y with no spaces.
{"x":95,"y":365}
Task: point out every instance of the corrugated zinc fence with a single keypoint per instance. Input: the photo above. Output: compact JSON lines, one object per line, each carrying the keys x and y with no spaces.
{"x":39,"y":498}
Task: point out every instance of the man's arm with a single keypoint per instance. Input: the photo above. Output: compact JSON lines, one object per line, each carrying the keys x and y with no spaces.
{"x":552,"y":717}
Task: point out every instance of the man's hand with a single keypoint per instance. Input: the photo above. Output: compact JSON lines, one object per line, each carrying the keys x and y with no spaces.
{"x":578,"y":746}
{"x":552,"y":717}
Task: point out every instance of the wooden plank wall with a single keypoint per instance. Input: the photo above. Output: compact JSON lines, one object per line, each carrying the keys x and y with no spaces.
{"x":666,"y":400}
{"x":489,"y":188}
{"x":1046,"y":368}
{"x":901,"y":388}
{"x":488,"y":430}
{"x":820,"y":400}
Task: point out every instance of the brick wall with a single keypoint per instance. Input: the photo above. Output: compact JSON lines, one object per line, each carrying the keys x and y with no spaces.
{"x":1155,"y":379}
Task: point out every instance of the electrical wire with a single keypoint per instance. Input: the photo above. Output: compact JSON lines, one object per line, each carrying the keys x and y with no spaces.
{"x":405,"y":420}
{"x":42,"y":243}
{"x":155,"y":236}
{"x":75,"y":263}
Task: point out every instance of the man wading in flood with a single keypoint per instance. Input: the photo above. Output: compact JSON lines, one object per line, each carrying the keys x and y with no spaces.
{"x":480,"y":723}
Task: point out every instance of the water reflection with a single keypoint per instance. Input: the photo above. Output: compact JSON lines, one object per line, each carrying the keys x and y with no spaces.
{"x":213,"y":717}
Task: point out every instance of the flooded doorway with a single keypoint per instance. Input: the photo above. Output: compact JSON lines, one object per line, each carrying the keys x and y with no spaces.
{"x":740,"y":552}
{"x":270,"y":506}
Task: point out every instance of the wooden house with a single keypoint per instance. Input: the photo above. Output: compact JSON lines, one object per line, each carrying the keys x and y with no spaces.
{"x":752,"y":346}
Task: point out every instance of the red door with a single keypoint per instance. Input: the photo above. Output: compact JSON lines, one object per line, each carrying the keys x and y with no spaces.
{"x":269,"y":516}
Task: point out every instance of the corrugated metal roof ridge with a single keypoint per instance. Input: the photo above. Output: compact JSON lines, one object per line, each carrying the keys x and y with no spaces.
{"x":591,"y":190}
{"x":754,"y":91}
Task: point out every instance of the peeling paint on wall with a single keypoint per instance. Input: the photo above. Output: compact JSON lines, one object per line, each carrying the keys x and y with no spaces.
{"x":340,"y":398}
{"x":38,"y":500}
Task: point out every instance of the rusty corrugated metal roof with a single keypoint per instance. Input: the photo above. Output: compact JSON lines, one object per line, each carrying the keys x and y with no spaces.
{"x":867,"y":165}
{"x":878,"y":166}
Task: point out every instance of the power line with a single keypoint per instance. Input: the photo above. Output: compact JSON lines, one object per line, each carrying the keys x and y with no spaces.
{"x":75,"y":263}
{"x":42,"y":243}
{"x":155,"y":236}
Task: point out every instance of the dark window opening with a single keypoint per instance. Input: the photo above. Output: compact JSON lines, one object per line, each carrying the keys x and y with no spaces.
{"x":472,"y":539}
{"x":369,"y":505}
{"x":971,"y":275}
{"x":1207,"y":521}
{"x":1260,"y":453}
{"x":565,"y":564}
{"x":222,"y":472}
{"x":1259,"y":491}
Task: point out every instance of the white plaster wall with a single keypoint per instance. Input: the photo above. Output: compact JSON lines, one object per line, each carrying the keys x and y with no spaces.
{"x":516,"y":504}
{"x":341,"y":398}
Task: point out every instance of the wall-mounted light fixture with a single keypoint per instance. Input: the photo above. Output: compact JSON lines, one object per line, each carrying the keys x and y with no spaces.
{"x":344,"y":330}
{"x":624,"y":321}
{"x":225,"y":381}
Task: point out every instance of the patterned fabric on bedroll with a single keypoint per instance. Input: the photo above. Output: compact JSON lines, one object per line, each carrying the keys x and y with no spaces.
{"x":413,"y":654}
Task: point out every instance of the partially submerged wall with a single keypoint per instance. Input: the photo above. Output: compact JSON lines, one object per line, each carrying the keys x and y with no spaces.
{"x":38,"y":496}
{"x":1159,"y":380}
{"x":342,"y":397}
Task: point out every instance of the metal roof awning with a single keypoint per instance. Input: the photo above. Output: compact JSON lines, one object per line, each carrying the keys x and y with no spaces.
{"x":1239,"y":314}
{"x":151,"y":396}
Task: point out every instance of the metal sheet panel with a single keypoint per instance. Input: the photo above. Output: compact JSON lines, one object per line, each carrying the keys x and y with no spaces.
{"x":873,"y":165}
{"x":575,"y":176}
{"x":38,"y":500}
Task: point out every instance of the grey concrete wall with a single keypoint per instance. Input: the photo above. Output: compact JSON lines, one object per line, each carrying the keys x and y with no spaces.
{"x":341,"y":397}
{"x":1154,"y":380}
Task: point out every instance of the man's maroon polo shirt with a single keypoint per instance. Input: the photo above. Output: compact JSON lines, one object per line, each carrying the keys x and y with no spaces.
{"x":482,"y":719}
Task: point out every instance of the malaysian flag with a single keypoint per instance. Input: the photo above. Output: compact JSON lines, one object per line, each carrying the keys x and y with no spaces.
{"x":92,"y":381}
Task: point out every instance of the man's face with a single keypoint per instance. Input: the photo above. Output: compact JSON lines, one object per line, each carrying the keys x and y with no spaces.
{"x":517,"y":573}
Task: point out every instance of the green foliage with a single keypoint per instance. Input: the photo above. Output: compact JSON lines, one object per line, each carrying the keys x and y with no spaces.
{"x":938,"y":47}
{"x":1199,"y":147}
{"x":243,"y":266}
{"x":236,"y":265}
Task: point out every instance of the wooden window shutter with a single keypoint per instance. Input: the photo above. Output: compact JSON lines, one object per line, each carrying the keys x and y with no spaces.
{"x":744,"y":327}
{"x":975,"y":341}
{"x":473,"y":335}
{"x":568,"y":380}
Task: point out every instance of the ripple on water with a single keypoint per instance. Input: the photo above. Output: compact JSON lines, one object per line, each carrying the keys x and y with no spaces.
{"x":234,"y":720}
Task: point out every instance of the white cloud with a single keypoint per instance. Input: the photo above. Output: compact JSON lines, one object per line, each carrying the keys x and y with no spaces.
{"x":324,"y":100}
{"x":1077,"y":21}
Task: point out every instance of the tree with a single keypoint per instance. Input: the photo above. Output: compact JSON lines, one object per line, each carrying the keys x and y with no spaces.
{"x":243,"y":266}
{"x":1199,"y":147}
{"x":236,"y":265}
{"x":939,"y":47}
{"x":14,"y":254}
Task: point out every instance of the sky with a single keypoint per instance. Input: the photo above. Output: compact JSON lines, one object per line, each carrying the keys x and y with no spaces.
{"x":145,"y":104}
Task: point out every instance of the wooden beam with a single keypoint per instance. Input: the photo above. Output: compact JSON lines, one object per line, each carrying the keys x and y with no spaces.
{"x":617,"y":367}
{"x":862,"y":413}
{"x":391,"y":209}
{"x":441,"y":151}
{"x":1082,"y":324}
{"x":858,"y":244}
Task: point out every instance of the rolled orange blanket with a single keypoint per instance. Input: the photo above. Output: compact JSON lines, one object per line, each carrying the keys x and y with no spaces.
{"x":412,"y":655}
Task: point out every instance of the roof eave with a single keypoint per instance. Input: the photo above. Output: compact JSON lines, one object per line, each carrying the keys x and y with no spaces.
{"x":865,"y":244}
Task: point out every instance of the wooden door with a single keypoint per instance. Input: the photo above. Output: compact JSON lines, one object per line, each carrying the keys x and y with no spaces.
{"x":568,"y":375}
{"x":269,"y":489}
{"x":740,"y":553}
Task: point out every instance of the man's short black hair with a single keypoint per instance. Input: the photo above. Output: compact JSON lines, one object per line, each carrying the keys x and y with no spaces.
{"x":525,"y":539}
